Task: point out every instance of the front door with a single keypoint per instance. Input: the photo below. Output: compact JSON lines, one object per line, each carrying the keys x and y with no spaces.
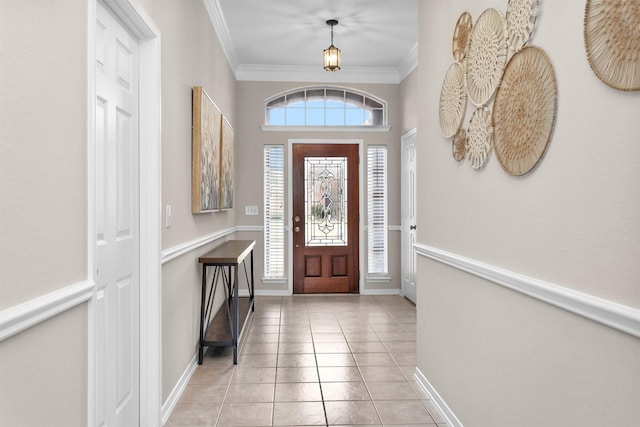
{"x":325,"y":218}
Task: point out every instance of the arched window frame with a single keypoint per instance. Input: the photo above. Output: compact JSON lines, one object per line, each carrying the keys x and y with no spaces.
{"x":301,"y":100}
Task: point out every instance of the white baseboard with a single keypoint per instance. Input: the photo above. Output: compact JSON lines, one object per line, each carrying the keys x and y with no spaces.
{"x":265,"y":293}
{"x":442,"y":406}
{"x":286,"y":293}
{"x":272,"y":293}
{"x":171,"y":402}
{"x":612,"y":314}
{"x":380,"y":292}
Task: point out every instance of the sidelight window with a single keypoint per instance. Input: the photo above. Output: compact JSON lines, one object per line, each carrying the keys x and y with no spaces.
{"x":274,"y":226}
{"x":377,"y":254}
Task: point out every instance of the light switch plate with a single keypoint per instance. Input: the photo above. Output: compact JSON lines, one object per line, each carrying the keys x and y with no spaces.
{"x":167,"y":216}
{"x":251,"y":210}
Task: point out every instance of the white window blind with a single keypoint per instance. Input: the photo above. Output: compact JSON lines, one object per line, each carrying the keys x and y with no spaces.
{"x":377,"y":259}
{"x":274,"y":235}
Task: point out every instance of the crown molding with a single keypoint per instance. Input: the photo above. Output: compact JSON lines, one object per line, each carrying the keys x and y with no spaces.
{"x":220,"y":25}
{"x":408,"y":63}
{"x":297,"y":73}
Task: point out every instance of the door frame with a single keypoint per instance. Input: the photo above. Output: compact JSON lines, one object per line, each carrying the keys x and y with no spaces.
{"x":136,"y":20}
{"x":360,"y":144}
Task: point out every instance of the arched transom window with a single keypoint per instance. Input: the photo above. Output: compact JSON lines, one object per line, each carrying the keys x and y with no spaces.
{"x":325,"y":106}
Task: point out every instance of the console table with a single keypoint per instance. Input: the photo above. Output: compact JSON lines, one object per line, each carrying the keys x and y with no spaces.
{"x":224,"y":263}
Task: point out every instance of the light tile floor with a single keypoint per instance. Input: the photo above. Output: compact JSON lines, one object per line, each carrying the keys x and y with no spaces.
{"x":314,"y":361}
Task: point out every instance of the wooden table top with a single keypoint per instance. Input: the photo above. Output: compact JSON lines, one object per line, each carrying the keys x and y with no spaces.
{"x":231,"y":252}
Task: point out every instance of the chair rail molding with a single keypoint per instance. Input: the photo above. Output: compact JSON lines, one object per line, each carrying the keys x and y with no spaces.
{"x":30,"y":313}
{"x":612,"y":314}
{"x":186,"y":247}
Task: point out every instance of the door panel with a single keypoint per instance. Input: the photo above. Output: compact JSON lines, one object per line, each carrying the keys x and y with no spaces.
{"x":117,"y":223}
{"x":326,"y":215}
{"x":409,"y":217}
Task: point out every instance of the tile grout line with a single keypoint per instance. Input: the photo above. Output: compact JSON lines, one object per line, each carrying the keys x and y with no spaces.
{"x":315,"y":357}
{"x":366,"y":385}
{"x":275,"y":379}
{"x":343,"y":321}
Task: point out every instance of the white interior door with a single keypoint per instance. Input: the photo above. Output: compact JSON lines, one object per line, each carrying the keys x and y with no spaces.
{"x":409,"y":215}
{"x":117,"y":276}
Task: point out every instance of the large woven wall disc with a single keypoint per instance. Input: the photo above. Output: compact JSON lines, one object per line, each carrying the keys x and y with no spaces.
{"x":479,"y":137}
{"x":524,"y":111}
{"x":612,"y":41}
{"x":461,"y":36}
{"x":453,"y":100}
{"x":521,"y":19}
{"x":486,"y":57}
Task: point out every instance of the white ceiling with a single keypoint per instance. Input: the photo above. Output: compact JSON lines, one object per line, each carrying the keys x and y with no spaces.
{"x":283,"y":40}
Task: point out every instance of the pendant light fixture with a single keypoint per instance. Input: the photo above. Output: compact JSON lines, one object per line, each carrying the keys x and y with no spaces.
{"x":331,"y":54}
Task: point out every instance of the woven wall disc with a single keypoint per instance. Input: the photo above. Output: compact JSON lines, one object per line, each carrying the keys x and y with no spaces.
{"x":459,"y":145}
{"x":453,"y":100}
{"x":486,"y":57}
{"x":479,"y":137}
{"x":524,"y":111}
{"x":612,"y":41}
{"x":461,"y":36}
{"x":521,"y":19}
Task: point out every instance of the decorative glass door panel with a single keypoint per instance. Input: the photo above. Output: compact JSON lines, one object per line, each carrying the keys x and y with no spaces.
{"x":326,"y":201}
{"x":325,"y":218}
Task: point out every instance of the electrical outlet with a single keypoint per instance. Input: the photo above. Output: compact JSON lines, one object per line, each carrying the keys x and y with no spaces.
{"x":251,"y":210}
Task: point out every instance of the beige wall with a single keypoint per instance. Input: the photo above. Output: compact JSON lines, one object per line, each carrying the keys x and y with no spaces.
{"x":250,"y":140}
{"x":409,"y":101}
{"x":43,"y":373}
{"x":43,"y":187}
{"x":498,"y":357}
{"x":42,"y":131}
{"x":191,"y":56}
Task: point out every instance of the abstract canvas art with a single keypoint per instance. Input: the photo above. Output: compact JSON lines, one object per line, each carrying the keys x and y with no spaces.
{"x":226,"y":166}
{"x":205,"y":170}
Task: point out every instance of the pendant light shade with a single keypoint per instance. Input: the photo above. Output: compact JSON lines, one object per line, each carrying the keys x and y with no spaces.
{"x":331,"y":57}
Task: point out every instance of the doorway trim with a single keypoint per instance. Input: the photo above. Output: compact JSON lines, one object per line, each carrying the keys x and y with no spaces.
{"x":136,"y":20}
{"x":360,"y":144}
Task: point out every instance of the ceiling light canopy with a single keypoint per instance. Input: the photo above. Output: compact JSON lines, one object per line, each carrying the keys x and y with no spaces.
{"x":331,"y":57}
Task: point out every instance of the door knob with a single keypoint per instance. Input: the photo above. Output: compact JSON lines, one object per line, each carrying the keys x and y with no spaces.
{"x":296,"y":219}
{"x":412,"y":227}
{"x":297,"y":229}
